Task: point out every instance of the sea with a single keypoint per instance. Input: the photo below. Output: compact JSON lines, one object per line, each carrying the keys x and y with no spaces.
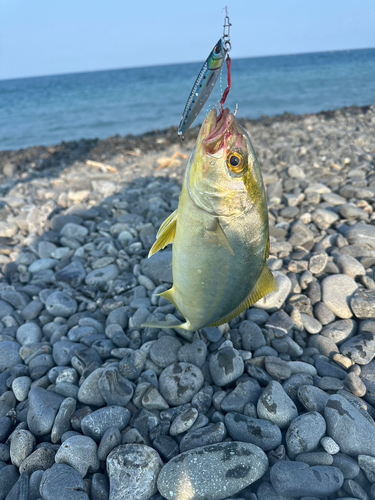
{"x":47,"y":110}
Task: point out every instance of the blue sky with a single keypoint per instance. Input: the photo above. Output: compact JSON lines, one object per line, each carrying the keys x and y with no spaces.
{"x":43,"y":37}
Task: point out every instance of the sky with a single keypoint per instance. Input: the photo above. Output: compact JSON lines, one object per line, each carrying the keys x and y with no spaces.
{"x":44,"y":37}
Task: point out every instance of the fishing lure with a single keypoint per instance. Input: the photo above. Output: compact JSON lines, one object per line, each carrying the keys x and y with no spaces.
{"x":206,"y":80}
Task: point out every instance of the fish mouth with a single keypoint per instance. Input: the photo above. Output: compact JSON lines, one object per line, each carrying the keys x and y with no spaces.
{"x":217,"y":128}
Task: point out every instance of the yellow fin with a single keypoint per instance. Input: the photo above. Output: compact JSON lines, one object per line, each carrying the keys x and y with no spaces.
{"x":268,"y":249}
{"x":166,"y":234}
{"x":265,"y":285}
{"x":169,"y":294}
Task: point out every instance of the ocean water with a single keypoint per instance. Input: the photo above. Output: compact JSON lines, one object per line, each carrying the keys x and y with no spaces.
{"x":50,"y":109}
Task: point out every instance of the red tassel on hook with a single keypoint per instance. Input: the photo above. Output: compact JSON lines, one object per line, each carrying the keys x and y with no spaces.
{"x":229,"y":85}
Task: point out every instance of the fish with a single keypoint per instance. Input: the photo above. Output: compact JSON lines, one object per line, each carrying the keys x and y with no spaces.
{"x":219,"y":231}
{"x":204,"y":85}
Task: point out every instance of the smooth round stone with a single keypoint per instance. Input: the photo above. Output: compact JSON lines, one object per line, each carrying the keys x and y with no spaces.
{"x":360,"y":348}
{"x":330,"y":445}
{"x":7,"y":403}
{"x":276,"y":406}
{"x":245,"y":392}
{"x":62,"y":482}
{"x":28,"y":333}
{"x":41,"y":459}
{"x":326,"y":368}
{"x":323,"y":218}
{"x":21,"y":446}
{"x":80,"y":452}
{"x":348,"y":427}
{"x":42,"y":265}
{"x":323,"y":314}
{"x":256,"y":431}
{"x":35,"y":480}
{"x":362,"y":303}
{"x":194,"y":353}
{"x":104,"y":274}
{"x":9,"y":355}
{"x":305,"y":433}
{"x":340,"y":331}
{"x":362,"y":234}
{"x":315,"y":458}
{"x":203,"y":399}
{"x":311,"y":324}
{"x":355,"y":385}
{"x":251,"y":335}
{"x":74,"y":231}
{"x":62,"y":420}
{"x":367,"y":464}
{"x":215,"y":472}
{"x":348,"y":466}
{"x":73,"y":274}
{"x":159,"y":267}
{"x":318,"y":262}
{"x":179,"y":382}
{"x":133,"y":470}
{"x":324,"y":345}
{"x":296,"y":479}
{"x":8,"y":478}
{"x":20,"y":387}
{"x":164,"y":351}
{"x":43,"y":407}
{"x":40,"y":365}
{"x":109,"y":441}
{"x":153,"y":400}
{"x":115,"y":389}
{"x":32,"y":310}
{"x":274,"y":300}
{"x":166,"y":447}
{"x":226,"y":365}
{"x":5,"y":428}
{"x":277,"y":368}
{"x":209,"y":434}
{"x":61,"y":304}
{"x":99,"y":421}
{"x":20,"y":490}
{"x":132,"y":363}
{"x":99,"y":487}
{"x":336,"y":292}
{"x":350,"y":266}
{"x":89,"y":392}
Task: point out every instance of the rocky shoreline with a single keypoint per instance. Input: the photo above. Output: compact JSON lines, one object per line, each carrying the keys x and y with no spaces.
{"x":282,"y":399}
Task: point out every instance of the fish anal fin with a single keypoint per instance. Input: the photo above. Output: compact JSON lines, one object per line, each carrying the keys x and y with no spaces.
{"x":166,"y":234}
{"x":265,"y":285}
{"x":220,"y":237}
{"x":169,"y":294}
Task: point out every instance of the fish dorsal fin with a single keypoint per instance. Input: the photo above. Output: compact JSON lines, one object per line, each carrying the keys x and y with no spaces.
{"x":265,"y":285}
{"x":166,"y":234}
{"x":220,"y":236}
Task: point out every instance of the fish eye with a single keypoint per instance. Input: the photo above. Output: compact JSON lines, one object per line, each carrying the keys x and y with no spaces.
{"x":217,"y":49}
{"x":235,"y":162}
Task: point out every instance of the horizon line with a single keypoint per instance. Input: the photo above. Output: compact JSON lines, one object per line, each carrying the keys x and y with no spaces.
{"x":181,"y":63}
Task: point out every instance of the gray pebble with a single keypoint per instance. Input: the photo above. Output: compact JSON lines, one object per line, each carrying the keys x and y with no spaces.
{"x":62,"y":420}
{"x":183,"y":421}
{"x":73,"y":274}
{"x":132,"y":363}
{"x":80,"y":452}
{"x":89,"y":392}
{"x":8,"y":478}
{"x":323,"y":314}
{"x":348,"y":466}
{"x":133,"y":470}
{"x":153,"y":400}
{"x":360,"y":348}
{"x":194,"y":353}
{"x":159,"y":267}
{"x":260,"y":432}
{"x":42,"y":265}
{"x":215,"y":471}
{"x":274,"y":300}
{"x":315,"y":458}
{"x":164,"y":351}
{"x":297,"y":478}
{"x":340,"y":331}
{"x":166,"y":447}
{"x":43,"y":407}
{"x":355,"y":385}
{"x":280,"y":323}
{"x":21,"y":489}
{"x":99,"y":487}
{"x":179,"y":382}
{"x":245,"y":392}
{"x":21,"y":446}
{"x":336,"y":292}
{"x":276,"y":406}
{"x":62,"y":482}
{"x":109,"y":441}
{"x":325,"y":368}
{"x":362,"y":303}
{"x":34,"y":484}
{"x":350,"y":266}
{"x":41,"y":459}
{"x":32,"y":310}
{"x":251,"y":335}
{"x":9,"y":355}
{"x":61,"y":304}
{"x":304,"y":433}
{"x":312,"y":398}
{"x":348,"y":427}
{"x":28,"y":333}
{"x":277,"y":368}
{"x":208,"y":435}
{"x":114,"y":388}
{"x":98,"y":422}
{"x":102,"y":275}
{"x":226,"y":365}
{"x":330,"y":445}
{"x":367,"y":464}
{"x":20,"y":387}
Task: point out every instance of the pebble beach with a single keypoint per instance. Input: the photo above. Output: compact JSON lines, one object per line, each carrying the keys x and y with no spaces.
{"x":279,"y":404}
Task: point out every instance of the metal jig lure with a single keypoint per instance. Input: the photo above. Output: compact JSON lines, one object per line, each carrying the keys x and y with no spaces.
{"x":207,"y":79}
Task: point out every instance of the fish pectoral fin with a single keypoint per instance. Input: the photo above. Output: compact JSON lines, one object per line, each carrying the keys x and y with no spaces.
{"x":166,"y":234}
{"x":265,"y":285}
{"x":220,"y":236}
{"x":169,"y":294}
